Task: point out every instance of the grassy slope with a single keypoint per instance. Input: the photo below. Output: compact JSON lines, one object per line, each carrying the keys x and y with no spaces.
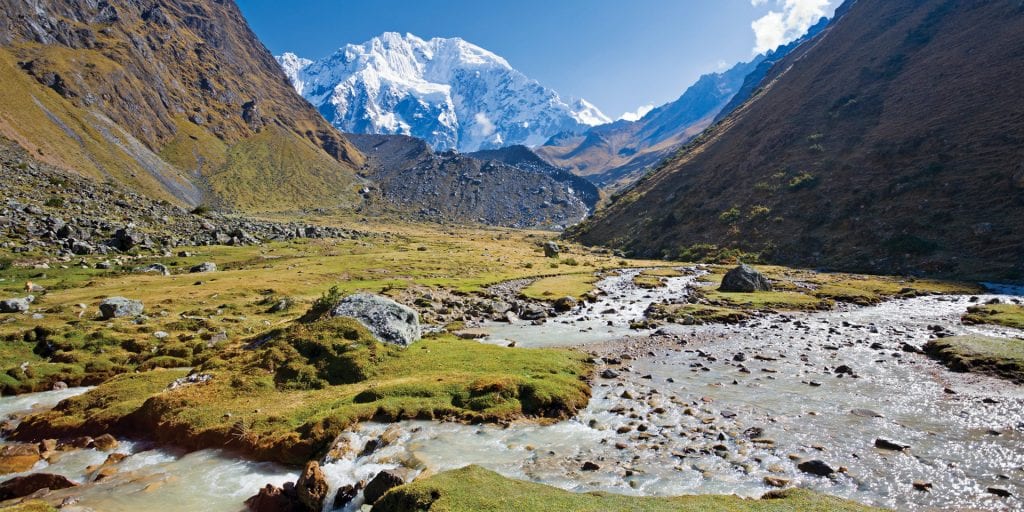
{"x":1008,"y":315}
{"x":288,"y":399}
{"x":474,"y":489}
{"x":277,"y":170}
{"x":69,"y":139}
{"x":1002,"y":357}
{"x":29,"y":506}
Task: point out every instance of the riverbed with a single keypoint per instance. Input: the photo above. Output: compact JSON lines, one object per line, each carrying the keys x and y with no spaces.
{"x":684,"y":410}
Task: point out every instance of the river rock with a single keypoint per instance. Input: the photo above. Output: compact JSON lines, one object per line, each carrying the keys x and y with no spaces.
{"x":565,"y":304}
{"x":104,"y":443}
{"x":888,"y":444}
{"x":276,"y":499}
{"x":1002,"y":492}
{"x":207,"y":266}
{"x":815,"y":467}
{"x":28,"y":484}
{"x":382,"y":483}
{"x":347,"y":493}
{"x":17,"y":458}
{"x":389,"y":321}
{"x":117,"y":307}
{"x":551,"y":249}
{"x":744,"y":279}
{"x":312,"y":486}
{"x":16,"y":305}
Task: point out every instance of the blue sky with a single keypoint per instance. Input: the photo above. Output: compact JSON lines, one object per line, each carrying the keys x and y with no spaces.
{"x":618,"y":54}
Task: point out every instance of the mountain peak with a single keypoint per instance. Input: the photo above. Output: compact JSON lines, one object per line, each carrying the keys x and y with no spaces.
{"x":447,"y":91}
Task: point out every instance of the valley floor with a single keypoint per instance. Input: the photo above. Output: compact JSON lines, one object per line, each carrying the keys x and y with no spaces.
{"x":668,"y":387}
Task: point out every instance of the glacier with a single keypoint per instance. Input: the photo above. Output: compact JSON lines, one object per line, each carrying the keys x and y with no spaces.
{"x":446,"y":91}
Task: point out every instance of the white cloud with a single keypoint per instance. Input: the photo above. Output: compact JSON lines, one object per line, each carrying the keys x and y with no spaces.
{"x":634,"y":116}
{"x":780,"y":27}
{"x":484,"y":124}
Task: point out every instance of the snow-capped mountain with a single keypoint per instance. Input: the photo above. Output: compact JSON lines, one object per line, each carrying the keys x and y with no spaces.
{"x":451,"y":93}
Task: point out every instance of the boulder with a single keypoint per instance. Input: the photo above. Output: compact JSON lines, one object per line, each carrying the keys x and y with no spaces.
{"x":206,"y":266}
{"x":347,"y":493}
{"x":28,"y":484}
{"x":551,"y":249}
{"x":744,"y":279}
{"x":17,"y":458}
{"x":382,"y":483}
{"x":389,"y":321}
{"x":312,"y":486}
{"x":16,"y":305}
{"x":117,"y":307}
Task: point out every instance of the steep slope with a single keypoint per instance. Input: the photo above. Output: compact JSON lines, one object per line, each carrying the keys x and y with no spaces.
{"x":174,"y":98}
{"x":451,"y":93}
{"x":892,"y":143}
{"x":616,"y":155}
{"x":452,"y":187}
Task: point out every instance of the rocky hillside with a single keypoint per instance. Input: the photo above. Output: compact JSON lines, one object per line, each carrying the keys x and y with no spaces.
{"x":447,"y":91}
{"x":889,"y":143}
{"x":174,"y":98}
{"x":410,"y":177}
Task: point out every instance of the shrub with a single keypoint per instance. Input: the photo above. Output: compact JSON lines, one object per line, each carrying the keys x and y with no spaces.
{"x":54,"y":202}
{"x":758,"y":211}
{"x":730,"y":216}
{"x":201,"y":210}
{"x":803,"y":180}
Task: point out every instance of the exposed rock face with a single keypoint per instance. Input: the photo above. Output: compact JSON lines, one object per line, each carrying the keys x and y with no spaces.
{"x":312,"y":486}
{"x":382,"y":483}
{"x":388,"y":320}
{"x":16,"y":305}
{"x":28,"y":484}
{"x":117,"y":307}
{"x":745,"y":279}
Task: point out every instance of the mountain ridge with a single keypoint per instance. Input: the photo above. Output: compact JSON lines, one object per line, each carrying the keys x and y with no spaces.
{"x":835,"y":162}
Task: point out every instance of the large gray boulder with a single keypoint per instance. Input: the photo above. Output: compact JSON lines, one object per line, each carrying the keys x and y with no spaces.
{"x":551,"y":249}
{"x":117,"y":307}
{"x":744,"y":279}
{"x":388,"y":320}
{"x":16,"y":305}
{"x":207,"y":266}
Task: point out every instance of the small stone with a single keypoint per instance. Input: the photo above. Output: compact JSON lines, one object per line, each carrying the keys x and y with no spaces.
{"x":923,"y":486}
{"x":590,"y":466}
{"x":888,"y":444}
{"x":1002,"y":492}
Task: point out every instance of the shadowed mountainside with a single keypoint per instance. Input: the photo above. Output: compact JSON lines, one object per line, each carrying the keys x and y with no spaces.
{"x":506,"y":189}
{"x":889,"y":143}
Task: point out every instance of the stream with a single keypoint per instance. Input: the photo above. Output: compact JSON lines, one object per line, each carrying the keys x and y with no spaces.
{"x":688,"y":409}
